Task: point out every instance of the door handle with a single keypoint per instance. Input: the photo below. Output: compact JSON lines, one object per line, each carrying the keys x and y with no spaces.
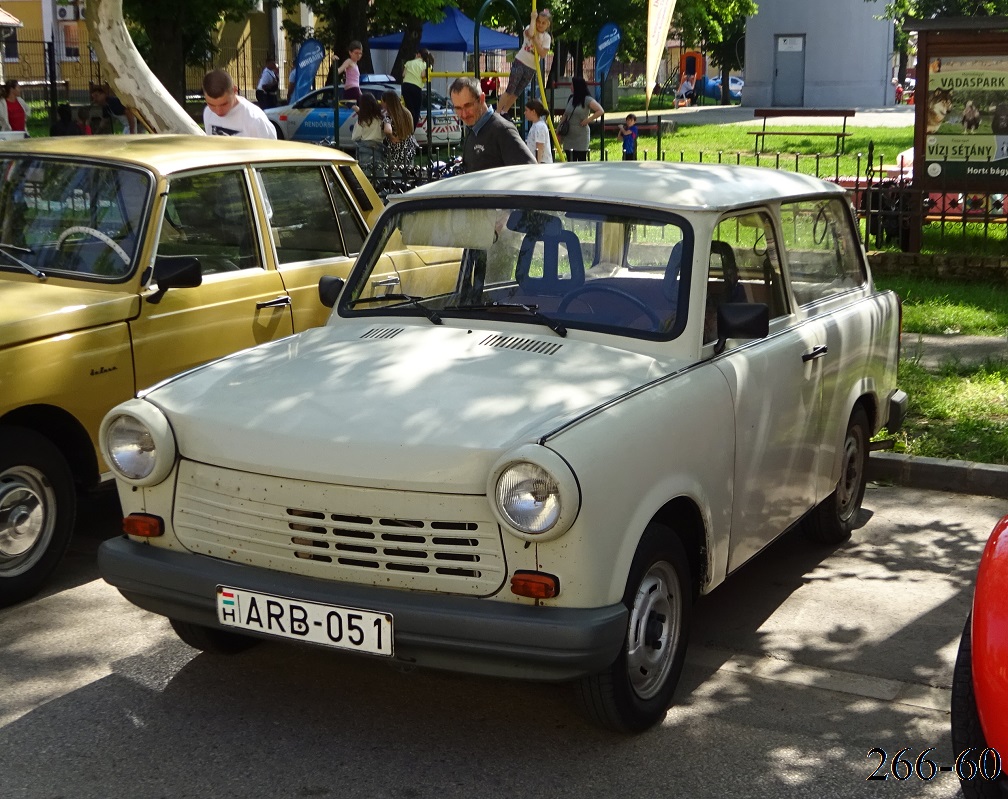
{"x":815,"y":352}
{"x":279,"y":302}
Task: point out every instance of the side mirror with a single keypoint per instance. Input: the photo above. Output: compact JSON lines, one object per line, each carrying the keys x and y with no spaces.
{"x":741,"y":320}
{"x":329,"y":289}
{"x":175,"y":272}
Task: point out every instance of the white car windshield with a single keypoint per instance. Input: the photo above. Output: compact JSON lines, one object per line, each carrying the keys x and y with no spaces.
{"x":76,"y":219}
{"x":593,"y":268}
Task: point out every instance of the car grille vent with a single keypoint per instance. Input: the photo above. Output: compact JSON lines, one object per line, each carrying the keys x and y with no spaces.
{"x":524,"y":344}
{"x":383,"y":332}
{"x":435,"y":548}
{"x":395,"y":539}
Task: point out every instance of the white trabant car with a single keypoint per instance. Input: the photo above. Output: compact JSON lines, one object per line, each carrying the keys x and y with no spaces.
{"x":598,"y":391}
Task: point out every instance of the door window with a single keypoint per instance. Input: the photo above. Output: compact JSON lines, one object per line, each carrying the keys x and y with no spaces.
{"x":744,"y":267}
{"x":209,"y":216}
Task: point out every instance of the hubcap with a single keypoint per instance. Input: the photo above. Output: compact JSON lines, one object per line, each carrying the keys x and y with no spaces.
{"x":653,"y":637}
{"x":27,"y":518}
{"x":850,"y":480}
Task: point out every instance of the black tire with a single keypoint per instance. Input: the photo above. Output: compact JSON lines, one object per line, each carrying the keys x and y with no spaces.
{"x":833,"y":520}
{"x":38,"y":507}
{"x":279,"y":132}
{"x":212,"y":639}
{"x":635,"y":692}
{"x":966,"y":730}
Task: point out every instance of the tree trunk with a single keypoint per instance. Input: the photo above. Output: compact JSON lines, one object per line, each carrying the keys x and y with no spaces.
{"x":412,"y":32}
{"x":129,"y":76}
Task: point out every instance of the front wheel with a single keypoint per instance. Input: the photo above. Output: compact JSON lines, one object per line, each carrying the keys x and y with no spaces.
{"x":833,"y":520}
{"x":635,"y":691}
{"x":38,"y":505}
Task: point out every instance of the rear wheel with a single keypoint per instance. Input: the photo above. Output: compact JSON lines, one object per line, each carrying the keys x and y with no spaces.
{"x":635,"y":692}
{"x":833,"y":520}
{"x":279,"y":131}
{"x":38,"y":505}
{"x":212,"y":639}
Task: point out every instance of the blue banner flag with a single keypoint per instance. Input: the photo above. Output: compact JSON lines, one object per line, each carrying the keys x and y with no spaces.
{"x":605,"y":51}
{"x":308,"y":59}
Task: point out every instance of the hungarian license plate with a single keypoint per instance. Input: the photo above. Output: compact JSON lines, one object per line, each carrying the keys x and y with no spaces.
{"x":343,"y":628}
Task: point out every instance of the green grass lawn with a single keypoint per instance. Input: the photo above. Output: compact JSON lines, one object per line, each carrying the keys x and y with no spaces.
{"x":940,"y":306}
{"x":733,"y":144}
{"x":956,"y":411}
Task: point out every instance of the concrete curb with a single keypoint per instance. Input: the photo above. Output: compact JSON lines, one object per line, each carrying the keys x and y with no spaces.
{"x":962,"y":477}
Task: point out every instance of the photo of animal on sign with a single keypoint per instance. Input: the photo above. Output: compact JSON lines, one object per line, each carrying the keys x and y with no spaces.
{"x":966,"y":118}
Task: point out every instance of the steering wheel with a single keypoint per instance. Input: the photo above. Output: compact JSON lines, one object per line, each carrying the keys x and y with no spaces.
{"x":95,"y":234}
{"x":604,"y":289}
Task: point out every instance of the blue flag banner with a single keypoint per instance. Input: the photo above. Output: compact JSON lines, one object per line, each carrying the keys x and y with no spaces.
{"x":308,"y":59}
{"x":605,"y":51}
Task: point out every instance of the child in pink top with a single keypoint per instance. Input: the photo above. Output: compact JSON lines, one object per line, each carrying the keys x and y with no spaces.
{"x":349,"y":68}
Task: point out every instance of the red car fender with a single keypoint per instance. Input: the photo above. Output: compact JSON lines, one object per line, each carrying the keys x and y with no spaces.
{"x":990,"y":638}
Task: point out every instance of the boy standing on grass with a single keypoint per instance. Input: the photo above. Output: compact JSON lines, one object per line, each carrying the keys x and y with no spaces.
{"x":628,"y":133}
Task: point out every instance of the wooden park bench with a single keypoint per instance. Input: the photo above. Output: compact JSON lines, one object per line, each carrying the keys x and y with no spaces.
{"x":768,"y":113}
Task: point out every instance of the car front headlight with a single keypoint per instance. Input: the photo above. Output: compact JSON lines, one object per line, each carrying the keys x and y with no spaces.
{"x":529,"y":497}
{"x":138,"y":443}
{"x":536,"y":496}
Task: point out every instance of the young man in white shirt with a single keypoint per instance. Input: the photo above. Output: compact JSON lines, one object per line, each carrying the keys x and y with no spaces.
{"x":227,"y":113}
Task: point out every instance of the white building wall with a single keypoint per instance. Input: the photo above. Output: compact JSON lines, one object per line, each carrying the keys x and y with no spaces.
{"x":847,"y":52}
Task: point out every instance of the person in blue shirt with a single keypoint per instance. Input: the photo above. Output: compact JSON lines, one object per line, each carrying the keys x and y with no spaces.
{"x":628,"y":133}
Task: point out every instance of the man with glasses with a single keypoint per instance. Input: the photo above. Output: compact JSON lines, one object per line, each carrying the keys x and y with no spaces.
{"x":490,"y":140}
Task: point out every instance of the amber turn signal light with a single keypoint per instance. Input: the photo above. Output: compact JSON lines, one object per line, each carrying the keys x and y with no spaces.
{"x":143,"y":524}
{"x":537,"y":585}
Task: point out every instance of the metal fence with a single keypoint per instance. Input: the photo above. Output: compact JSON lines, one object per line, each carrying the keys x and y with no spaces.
{"x":964,"y":218}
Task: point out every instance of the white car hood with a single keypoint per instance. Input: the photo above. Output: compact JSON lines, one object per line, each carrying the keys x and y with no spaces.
{"x":420,"y":408}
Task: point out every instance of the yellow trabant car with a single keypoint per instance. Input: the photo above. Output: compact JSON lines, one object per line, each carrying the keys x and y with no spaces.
{"x":127,"y":259}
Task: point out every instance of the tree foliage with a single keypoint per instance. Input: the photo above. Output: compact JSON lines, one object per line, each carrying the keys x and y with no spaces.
{"x":932,"y":9}
{"x":719,"y":29}
{"x":174,"y":34}
{"x":901,"y":10}
{"x":338,"y":22}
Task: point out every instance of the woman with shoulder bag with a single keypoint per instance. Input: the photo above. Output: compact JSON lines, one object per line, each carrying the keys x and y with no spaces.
{"x":581,"y":111}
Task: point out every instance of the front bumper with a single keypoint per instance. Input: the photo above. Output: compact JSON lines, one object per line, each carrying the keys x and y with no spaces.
{"x":466,"y":634}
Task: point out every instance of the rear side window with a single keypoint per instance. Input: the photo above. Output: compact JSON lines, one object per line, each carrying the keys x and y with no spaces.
{"x":822,"y":251}
{"x":310,"y":215}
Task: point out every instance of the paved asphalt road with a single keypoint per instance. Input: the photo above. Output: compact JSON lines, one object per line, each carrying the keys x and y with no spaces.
{"x":799,"y":665}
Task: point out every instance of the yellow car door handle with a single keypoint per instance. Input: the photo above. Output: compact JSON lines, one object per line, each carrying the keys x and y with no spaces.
{"x":279,"y":302}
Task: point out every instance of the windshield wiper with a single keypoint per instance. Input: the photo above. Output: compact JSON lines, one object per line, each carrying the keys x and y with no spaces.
{"x":9,"y":250}
{"x":531,"y":310}
{"x":430,"y":313}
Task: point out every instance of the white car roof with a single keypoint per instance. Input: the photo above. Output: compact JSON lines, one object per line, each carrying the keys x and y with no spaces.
{"x":671,"y":186}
